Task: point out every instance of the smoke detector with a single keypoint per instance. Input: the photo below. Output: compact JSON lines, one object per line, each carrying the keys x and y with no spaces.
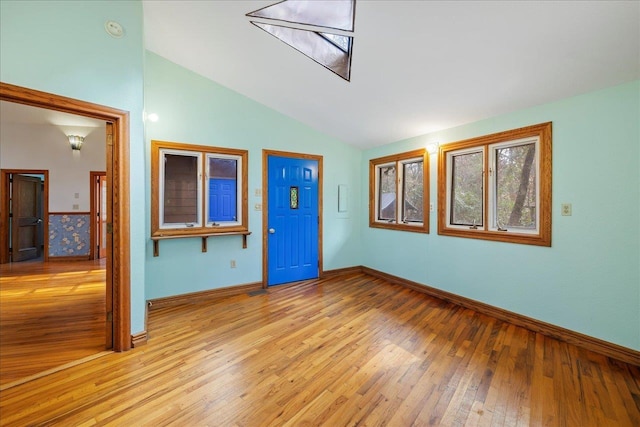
{"x":114,"y":29}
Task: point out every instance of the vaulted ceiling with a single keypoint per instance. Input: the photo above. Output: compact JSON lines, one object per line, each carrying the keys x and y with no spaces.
{"x":417,"y":66}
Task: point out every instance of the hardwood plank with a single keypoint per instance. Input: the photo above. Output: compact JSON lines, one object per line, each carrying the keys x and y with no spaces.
{"x":51,"y":314}
{"x":336,"y":351}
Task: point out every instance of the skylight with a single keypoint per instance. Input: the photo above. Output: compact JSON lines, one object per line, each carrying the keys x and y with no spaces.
{"x":315,"y":28}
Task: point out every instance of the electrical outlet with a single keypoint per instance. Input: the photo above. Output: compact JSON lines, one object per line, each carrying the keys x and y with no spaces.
{"x":431,"y":207}
{"x":76,"y":195}
{"x":565,"y":209}
{"x":76,"y":207}
{"x":233,"y":263}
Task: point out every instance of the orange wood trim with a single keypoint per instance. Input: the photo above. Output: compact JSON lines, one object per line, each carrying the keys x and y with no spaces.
{"x":156,"y":239}
{"x":93,"y":175}
{"x":265,"y":218}
{"x":139,"y":339}
{"x":121,"y":235}
{"x":587,"y":342}
{"x":424,"y":228}
{"x":198,"y":232}
{"x":156,"y":146}
{"x":265,"y":205}
{"x":200,"y":296}
{"x":118,"y":260}
{"x":341,"y":271}
{"x":544,"y":132}
{"x":69,"y":258}
{"x":92,"y":215}
{"x":4,"y":218}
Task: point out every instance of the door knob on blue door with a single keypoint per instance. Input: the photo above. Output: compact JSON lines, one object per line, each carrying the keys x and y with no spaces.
{"x":272,"y":231}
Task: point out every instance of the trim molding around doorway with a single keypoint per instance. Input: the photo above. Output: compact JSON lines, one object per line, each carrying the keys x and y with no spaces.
{"x":265,"y":203}
{"x":93,"y":212}
{"x":118,"y":259}
{"x":4,"y":211}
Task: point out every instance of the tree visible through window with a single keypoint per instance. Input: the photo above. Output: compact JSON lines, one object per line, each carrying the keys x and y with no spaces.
{"x":516,"y":186}
{"x":413,"y":191}
{"x":498,"y":187}
{"x":466,"y":189}
{"x":399,"y":192}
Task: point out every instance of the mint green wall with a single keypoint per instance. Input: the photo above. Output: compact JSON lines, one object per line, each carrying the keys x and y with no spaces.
{"x":61,"y":47}
{"x":589,"y":280}
{"x":195,"y":110}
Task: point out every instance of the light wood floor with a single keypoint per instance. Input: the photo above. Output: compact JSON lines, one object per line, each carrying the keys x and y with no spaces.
{"x":352,"y":350}
{"x":50,"y":314}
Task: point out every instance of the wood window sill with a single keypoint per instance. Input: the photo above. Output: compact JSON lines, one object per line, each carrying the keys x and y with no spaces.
{"x":204,"y":237}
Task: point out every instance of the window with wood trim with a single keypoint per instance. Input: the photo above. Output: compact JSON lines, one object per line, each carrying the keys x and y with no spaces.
{"x":399,"y":192}
{"x":197,"y":189}
{"x":497,"y":187}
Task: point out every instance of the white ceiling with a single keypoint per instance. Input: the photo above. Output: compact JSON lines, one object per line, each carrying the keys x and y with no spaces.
{"x":14,"y":113}
{"x":418,"y":66}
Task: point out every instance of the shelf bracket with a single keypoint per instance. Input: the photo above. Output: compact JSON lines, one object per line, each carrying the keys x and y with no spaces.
{"x":156,"y":240}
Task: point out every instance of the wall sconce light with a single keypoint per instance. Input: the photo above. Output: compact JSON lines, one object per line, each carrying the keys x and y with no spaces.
{"x":76,"y":141}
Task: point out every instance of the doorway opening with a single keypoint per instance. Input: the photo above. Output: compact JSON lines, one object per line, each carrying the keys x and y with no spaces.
{"x":117,"y":259}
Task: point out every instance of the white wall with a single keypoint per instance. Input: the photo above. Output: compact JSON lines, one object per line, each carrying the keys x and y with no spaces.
{"x":24,"y":146}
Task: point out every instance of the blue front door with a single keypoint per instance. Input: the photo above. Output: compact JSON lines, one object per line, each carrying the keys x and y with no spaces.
{"x":222,"y":199}
{"x":292,"y":219}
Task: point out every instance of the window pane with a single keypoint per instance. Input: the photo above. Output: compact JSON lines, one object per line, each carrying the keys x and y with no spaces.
{"x":412,"y":192}
{"x":223,"y":189}
{"x":316,"y":46}
{"x":180,"y":201}
{"x":343,"y":42}
{"x":466,"y":189}
{"x":516,"y":186}
{"x":322,"y":13}
{"x":387,"y":193}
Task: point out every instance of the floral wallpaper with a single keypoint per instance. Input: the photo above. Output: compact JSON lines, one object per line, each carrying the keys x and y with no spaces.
{"x":69,"y":235}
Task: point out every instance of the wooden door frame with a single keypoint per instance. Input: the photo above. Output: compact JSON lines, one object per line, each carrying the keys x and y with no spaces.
{"x":265,"y":207}
{"x":4,"y":210}
{"x":118,"y":259}
{"x":92,"y":213}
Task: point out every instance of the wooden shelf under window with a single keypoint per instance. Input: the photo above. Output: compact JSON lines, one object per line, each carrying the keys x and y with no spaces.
{"x":204,"y":237}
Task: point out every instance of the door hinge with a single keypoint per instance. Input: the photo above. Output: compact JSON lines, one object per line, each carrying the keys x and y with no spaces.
{"x":110,"y":139}
{"x":109,"y":316}
{"x":109,"y":228}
